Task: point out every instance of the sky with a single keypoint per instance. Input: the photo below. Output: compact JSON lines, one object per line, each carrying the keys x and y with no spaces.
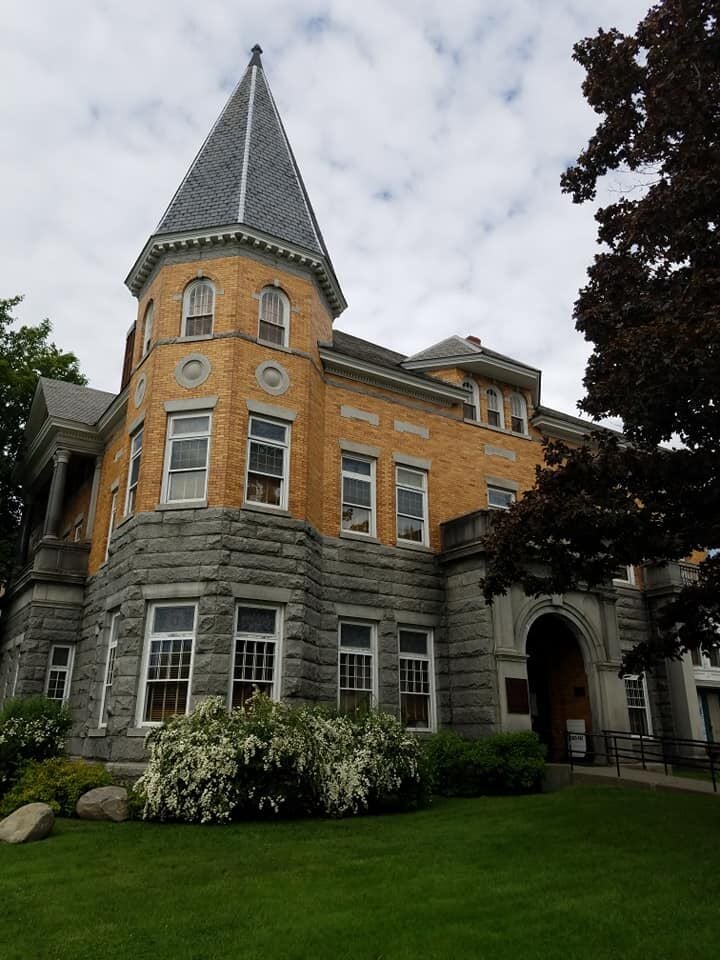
{"x":431,"y":135}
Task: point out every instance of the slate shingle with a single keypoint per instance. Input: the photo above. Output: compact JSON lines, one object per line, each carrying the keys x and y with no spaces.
{"x":72,"y":402}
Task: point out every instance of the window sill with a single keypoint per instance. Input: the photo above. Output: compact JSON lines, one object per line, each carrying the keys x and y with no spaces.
{"x":97,"y":732}
{"x":503,"y":430}
{"x":138,"y":732}
{"x":274,"y":346}
{"x":265,"y":508}
{"x":409,"y":545}
{"x":362,"y":537}
{"x":184,"y":505}
{"x":200,"y":336}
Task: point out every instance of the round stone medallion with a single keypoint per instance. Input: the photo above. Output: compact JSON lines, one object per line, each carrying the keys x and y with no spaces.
{"x":192,"y":371}
{"x":140,"y":388}
{"x":272,"y":377}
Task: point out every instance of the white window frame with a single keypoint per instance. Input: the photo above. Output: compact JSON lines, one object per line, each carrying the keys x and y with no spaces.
{"x":186,"y":305}
{"x":428,"y":658}
{"x":110,"y":663}
{"x":371,"y":480}
{"x":424,"y":490}
{"x":276,"y":639}
{"x":629,"y":577}
{"x":496,"y":488}
{"x":283,"y":326}
{"x":111,"y":521}
{"x":77,"y":530}
{"x":471,"y":388}
{"x":135,"y":454}
{"x":646,"y":702}
{"x":149,"y":637}
{"x":66,"y":670}
{"x":170,"y":440}
{"x":500,"y":425}
{"x":359,"y":651}
{"x":518,"y":403}
{"x":148,"y":323}
{"x":285,"y":479}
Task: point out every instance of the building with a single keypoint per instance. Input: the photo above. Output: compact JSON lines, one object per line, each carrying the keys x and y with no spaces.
{"x":272,"y":503}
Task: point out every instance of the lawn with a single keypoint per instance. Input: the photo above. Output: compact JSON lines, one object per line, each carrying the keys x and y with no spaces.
{"x":591,"y":872}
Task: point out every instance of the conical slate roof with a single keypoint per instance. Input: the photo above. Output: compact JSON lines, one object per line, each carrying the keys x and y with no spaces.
{"x":246,"y":174}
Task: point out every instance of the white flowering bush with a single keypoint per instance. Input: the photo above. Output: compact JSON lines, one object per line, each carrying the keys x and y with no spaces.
{"x":269,"y":759}
{"x":30,"y":729}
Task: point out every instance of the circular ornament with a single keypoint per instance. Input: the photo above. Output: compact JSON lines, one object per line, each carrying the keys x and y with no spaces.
{"x":192,"y":371}
{"x":140,"y":388}
{"x":272,"y":377}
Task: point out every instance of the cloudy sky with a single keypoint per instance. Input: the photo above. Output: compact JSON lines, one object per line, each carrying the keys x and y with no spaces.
{"x":431,"y":135}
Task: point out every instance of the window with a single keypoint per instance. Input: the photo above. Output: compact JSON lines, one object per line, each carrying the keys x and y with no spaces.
{"x":411,"y":491}
{"x":495,"y":407}
{"x":267,"y":462}
{"x":198,"y":309}
{"x":186,"y":457}
{"x":136,"y":442}
{"x":358,"y":495}
{"x":109,"y":667}
{"x":257,"y":659}
{"x":274,"y":314}
{"x":148,"y":328}
{"x":636,"y":694}
{"x":77,"y":531}
{"x":625,"y":574}
{"x":111,"y":522}
{"x":518,"y":414}
{"x":416,"y":679}
{"x":57,"y":685}
{"x":356,"y":685}
{"x":168,"y":654}
{"x":499,"y":498}
{"x":706,"y":660}
{"x":471,"y":407}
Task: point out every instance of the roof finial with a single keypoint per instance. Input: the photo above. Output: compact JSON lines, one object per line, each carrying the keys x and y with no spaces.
{"x":255,"y":60}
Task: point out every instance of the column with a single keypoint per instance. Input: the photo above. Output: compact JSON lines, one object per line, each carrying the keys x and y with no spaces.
{"x":56,"y":496}
{"x":92,"y":509}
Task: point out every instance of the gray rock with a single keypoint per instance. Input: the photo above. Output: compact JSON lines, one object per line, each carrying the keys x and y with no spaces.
{"x":34,"y":821}
{"x":103,"y":803}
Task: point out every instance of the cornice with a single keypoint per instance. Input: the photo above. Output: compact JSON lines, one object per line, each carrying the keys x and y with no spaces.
{"x":508,"y":371}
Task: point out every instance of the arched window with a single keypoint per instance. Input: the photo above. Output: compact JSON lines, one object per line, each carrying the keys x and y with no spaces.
{"x":148,"y":328}
{"x":518,"y":414}
{"x":471,"y":407}
{"x":496,"y":417}
{"x":198,"y":309}
{"x":274,"y":316}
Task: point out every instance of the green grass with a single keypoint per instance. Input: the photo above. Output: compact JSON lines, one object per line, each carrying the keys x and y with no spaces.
{"x":590,"y":872}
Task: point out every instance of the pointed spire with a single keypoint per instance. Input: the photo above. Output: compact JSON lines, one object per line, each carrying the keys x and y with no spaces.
{"x":246,"y":174}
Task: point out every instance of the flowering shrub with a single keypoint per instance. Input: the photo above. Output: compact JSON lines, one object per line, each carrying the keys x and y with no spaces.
{"x":31,"y":729}
{"x":270,"y":759}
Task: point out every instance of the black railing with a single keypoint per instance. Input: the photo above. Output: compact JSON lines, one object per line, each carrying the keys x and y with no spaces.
{"x":623,"y":747}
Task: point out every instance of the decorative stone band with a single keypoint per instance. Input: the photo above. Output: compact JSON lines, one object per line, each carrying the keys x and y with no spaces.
{"x":271,"y":410}
{"x":405,"y":460}
{"x":402,"y":427}
{"x":352,"y":413}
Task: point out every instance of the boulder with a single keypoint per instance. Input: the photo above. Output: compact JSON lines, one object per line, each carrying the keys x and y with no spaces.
{"x":34,"y":821}
{"x":103,"y":803}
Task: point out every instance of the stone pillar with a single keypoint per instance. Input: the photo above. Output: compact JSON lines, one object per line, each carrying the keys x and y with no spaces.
{"x":56,"y":496}
{"x":26,"y":530}
{"x":92,"y":509}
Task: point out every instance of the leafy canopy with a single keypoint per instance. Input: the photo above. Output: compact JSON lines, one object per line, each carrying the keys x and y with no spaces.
{"x":651,"y":309}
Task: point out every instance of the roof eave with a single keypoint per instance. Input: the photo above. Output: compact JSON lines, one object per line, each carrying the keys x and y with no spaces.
{"x":517,"y":374}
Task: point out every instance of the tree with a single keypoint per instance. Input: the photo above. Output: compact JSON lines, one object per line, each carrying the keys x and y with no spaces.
{"x":26,"y":354}
{"x":651,"y":309}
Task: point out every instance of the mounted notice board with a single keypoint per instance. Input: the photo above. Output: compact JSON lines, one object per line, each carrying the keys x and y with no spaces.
{"x":516,"y":691}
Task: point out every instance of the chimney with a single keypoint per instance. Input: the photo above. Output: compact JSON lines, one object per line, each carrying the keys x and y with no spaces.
{"x":472,"y":339}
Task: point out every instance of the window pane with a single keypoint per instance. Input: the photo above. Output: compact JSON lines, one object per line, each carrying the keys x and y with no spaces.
{"x":134,"y":471}
{"x":187,"y":486}
{"x":255,"y":660}
{"x":267,"y":459}
{"x":267,"y":430}
{"x":411,"y":478}
{"x":410,"y":503}
{"x":264,"y":489}
{"x":355,"y":635}
{"x":170,"y":659}
{"x":409,"y":529}
{"x":638,"y":722}
{"x":174,"y":619}
{"x":60,"y":656}
{"x":136,"y":443}
{"x":198,"y":326}
{"x":188,"y":454}
{"x":357,"y":492}
{"x":500,"y":498}
{"x":352,"y":700}
{"x":190,"y":425}
{"x":493,"y":418}
{"x":256,"y":620}
{"x":56,"y":684}
{"x":413,"y":641}
{"x":165,"y":699}
{"x":272,"y":307}
{"x":243,"y":690}
{"x":415,"y":711}
{"x":356,"y":519}
{"x":363,"y":467}
{"x":272,"y":333}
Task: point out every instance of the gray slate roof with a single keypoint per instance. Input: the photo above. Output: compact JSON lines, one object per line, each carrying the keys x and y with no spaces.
{"x":454,"y":346}
{"x":245,"y":173}
{"x":72,"y":402}
{"x":364,"y":350}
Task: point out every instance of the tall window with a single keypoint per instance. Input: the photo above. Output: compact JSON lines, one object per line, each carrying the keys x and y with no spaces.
{"x":637,"y":703}
{"x":257,"y":660}
{"x":495,"y":407}
{"x":471,"y":407}
{"x":518,"y":414}
{"x":186,"y":457}
{"x":198,"y":309}
{"x":148,"y":328}
{"x":499,"y":498}
{"x":267,"y":462}
{"x":168,"y":652}
{"x":109,"y":667}
{"x":274,"y":315}
{"x":411,"y":502}
{"x":416,"y":678}
{"x":136,"y":442}
{"x":356,"y":681}
{"x":57,"y":684}
{"x":111,"y":522}
{"x":358,"y":494}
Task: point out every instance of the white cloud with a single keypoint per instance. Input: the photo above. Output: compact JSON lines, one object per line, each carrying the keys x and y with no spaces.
{"x":431,"y":136}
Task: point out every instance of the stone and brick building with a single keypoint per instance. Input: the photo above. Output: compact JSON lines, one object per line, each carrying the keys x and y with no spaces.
{"x":271,"y":502}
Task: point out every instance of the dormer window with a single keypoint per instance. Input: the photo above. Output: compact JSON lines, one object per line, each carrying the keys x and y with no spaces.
{"x":274,"y":316}
{"x":518,"y":414}
{"x":148,"y":328}
{"x":471,"y":407}
{"x":198,"y":309}
{"x":495,"y":407}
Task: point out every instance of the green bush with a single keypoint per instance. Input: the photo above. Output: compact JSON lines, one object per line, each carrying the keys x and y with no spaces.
{"x":59,"y":782}
{"x":504,"y":763}
{"x":30,"y":729}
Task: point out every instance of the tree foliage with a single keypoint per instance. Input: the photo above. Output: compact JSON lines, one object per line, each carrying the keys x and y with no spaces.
{"x":26,"y":354}
{"x":651,"y":309}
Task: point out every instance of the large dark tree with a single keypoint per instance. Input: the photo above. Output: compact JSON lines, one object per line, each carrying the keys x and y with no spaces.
{"x":651,"y":309}
{"x":26,"y":353}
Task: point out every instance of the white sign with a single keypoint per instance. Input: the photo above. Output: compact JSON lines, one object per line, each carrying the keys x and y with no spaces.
{"x":577,"y":742}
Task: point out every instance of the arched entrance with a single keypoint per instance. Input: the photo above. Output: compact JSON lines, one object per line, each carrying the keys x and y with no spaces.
{"x":557,"y":681}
